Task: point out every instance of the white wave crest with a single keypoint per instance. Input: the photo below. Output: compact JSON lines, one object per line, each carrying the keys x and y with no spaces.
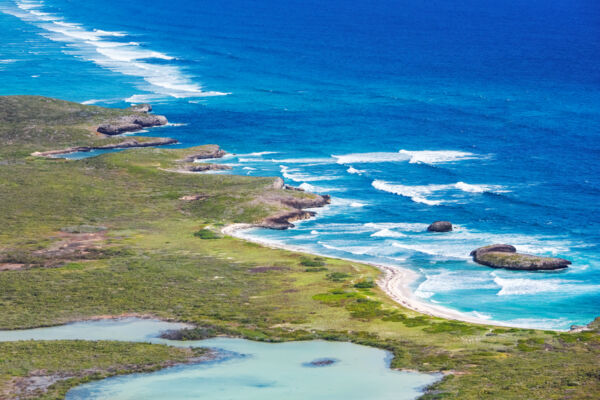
{"x":436,"y":156}
{"x":413,"y":157}
{"x":128,"y":58}
{"x":525,"y":286}
{"x":352,"y":170}
{"x":370,"y":157}
{"x":449,"y":281}
{"x":433,"y":249}
{"x":415,"y":193}
{"x":402,"y":226}
{"x":420,"y":193}
{"x":388,"y":233}
{"x":295,"y":175}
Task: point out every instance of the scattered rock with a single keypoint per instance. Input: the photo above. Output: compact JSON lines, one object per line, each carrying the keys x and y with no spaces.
{"x":578,"y":328}
{"x":278,"y":183}
{"x":440,"y":226}
{"x":201,"y":167}
{"x":294,"y":188}
{"x":11,"y":266}
{"x":131,"y":123}
{"x":193,"y":197}
{"x":505,"y":256}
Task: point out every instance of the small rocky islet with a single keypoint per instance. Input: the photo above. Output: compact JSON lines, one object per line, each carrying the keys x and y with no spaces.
{"x":506,"y":256}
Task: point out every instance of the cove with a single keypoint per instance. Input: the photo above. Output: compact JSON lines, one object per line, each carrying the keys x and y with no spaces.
{"x":246,"y":370}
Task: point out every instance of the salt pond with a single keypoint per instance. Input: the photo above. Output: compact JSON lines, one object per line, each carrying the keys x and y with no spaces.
{"x":248,"y":370}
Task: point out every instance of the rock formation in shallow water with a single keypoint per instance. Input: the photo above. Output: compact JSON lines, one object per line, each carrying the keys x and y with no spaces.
{"x":506,"y":256}
{"x":131,"y":123}
{"x":440,"y":226}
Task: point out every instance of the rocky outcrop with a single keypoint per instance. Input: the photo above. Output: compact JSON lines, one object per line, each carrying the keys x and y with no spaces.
{"x":284,"y":219}
{"x":131,"y":123}
{"x":503,"y":248}
{"x":142,"y":108}
{"x":278,"y":183}
{"x":129,"y":143}
{"x":193,"y":197}
{"x":202,"y":167}
{"x":440,"y":226}
{"x":212,"y":151}
{"x":506,"y":256}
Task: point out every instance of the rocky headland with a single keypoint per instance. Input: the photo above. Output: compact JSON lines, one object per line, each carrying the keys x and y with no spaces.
{"x":126,"y":144}
{"x":134,"y":122}
{"x":506,"y":256}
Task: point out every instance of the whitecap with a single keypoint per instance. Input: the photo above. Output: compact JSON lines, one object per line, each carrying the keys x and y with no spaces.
{"x":526,"y":286}
{"x":436,"y":156}
{"x":352,"y":170}
{"x":387,"y":233}
{"x":420,"y":193}
{"x":402,"y":226}
{"x":415,"y":193}
{"x":128,"y":58}
{"x":297,"y":176}
{"x":376,"y":157}
{"x":434,"y":249}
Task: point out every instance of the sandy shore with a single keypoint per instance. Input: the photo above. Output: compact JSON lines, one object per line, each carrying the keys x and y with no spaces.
{"x":395,"y":281}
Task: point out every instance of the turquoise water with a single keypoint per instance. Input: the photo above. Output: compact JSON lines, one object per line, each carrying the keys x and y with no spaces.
{"x":247,"y":370}
{"x":485,"y":113}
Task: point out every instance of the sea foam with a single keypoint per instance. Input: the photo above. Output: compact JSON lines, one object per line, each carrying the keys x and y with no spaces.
{"x":420,"y":193}
{"x":128,"y":58}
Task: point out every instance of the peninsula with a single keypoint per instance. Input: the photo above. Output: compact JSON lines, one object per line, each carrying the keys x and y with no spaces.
{"x":139,"y":232}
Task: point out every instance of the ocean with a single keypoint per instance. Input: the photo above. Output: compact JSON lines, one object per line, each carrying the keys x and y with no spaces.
{"x":483,"y":113}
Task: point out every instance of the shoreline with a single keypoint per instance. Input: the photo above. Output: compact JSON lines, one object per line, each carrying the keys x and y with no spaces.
{"x":395,"y":282}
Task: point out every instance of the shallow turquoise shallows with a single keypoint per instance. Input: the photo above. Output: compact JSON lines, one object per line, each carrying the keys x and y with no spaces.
{"x":247,"y":370}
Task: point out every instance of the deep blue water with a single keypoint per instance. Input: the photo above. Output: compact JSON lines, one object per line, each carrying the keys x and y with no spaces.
{"x":495,"y":104}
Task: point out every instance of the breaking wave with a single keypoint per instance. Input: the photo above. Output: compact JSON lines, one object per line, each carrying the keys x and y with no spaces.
{"x":164,"y":79}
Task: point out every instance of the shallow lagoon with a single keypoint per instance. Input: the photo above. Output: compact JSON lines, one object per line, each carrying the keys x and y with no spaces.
{"x":247,"y":370}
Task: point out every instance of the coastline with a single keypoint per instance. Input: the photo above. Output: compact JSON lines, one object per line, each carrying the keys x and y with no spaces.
{"x":395,"y":281}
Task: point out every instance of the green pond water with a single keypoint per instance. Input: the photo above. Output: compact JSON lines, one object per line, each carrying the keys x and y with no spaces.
{"x":246,"y":369}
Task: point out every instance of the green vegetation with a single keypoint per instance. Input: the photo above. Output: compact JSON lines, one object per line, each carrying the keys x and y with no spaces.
{"x":67,"y":363}
{"x":206,"y":234}
{"x":153,"y":258}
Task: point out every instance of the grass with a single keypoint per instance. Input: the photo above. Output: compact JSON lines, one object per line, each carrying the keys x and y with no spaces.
{"x":156,"y":259}
{"x":74,"y":362}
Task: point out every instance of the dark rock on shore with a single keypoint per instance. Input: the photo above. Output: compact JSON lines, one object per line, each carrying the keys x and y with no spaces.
{"x":506,"y":256}
{"x":212,"y":151}
{"x":202,"y":167}
{"x":284,"y":220}
{"x":121,"y":145}
{"x":300,"y":203}
{"x":440,"y":226}
{"x":131,"y":123}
